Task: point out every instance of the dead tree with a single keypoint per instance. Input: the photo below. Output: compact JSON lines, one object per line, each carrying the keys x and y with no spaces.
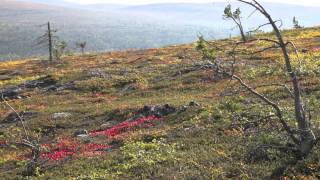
{"x":306,"y":140}
{"x":303,"y":138}
{"x":48,"y":38}
{"x":82,"y":46}
{"x":50,"y":42}
{"x":236,"y":18}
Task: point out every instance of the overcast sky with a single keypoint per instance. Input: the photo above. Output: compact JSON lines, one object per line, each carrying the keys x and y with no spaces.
{"x":301,"y":2}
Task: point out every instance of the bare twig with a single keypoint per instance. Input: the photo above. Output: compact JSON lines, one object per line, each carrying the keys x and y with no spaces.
{"x":279,"y":85}
{"x":272,"y":104}
{"x":18,"y":115}
{"x":266,"y":24}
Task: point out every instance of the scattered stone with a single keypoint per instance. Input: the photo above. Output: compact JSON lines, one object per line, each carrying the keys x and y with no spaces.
{"x":49,"y":84}
{"x":13,"y":117}
{"x":81,"y":133}
{"x":50,"y":88}
{"x":12,"y":92}
{"x":114,"y":62}
{"x":158,"y":111}
{"x":108,"y":125}
{"x":67,"y":86}
{"x":83,"y":136}
{"x":127,"y":88}
{"x":61,"y":115}
{"x":194,"y":103}
{"x":15,"y":92}
{"x":98,"y":73}
{"x":183,"y":109}
{"x":42,"y":82}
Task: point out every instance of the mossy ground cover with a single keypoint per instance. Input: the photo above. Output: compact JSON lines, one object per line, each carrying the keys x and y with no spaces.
{"x":217,"y":140}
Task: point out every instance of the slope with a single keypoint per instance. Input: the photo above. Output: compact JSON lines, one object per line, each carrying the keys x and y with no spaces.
{"x":149,"y":114}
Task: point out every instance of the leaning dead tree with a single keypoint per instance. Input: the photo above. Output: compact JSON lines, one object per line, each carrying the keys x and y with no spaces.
{"x":302,"y":135}
{"x":306,"y":138}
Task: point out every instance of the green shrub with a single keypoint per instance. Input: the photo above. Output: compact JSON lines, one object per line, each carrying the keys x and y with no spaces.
{"x":139,"y":157}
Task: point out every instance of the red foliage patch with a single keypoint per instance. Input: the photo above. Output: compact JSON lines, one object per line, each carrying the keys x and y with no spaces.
{"x":58,"y":154}
{"x":70,"y":147}
{"x":64,"y":148}
{"x":125,"y":126}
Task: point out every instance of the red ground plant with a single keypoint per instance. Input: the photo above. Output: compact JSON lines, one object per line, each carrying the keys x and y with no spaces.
{"x":125,"y":126}
{"x":69,"y":147}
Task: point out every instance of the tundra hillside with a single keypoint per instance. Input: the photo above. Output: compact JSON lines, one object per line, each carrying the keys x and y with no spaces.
{"x":157,"y":114}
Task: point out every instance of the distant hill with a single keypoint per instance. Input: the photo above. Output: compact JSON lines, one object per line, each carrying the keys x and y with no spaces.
{"x":103,"y":31}
{"x":108,"y":27}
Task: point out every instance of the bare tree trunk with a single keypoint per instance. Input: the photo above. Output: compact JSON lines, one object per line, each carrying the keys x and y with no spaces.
{"x":50,"y":42}
{"x":307,"y":137}
{"x":243,"y":35}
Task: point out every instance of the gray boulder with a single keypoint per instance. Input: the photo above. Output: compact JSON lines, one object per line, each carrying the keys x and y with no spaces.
{"x":42,"y":82}
{"x":13,"y":117}
{"x":158,"y":111}
{"x":13,"y":92}
{"x":61,"y":115}
{"x":108,"y":125}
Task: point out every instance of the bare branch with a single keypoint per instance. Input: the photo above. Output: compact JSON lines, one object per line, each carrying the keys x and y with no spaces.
{"x":265,"y":49}
{"x":266,"y":24}
{"x":269,"y":102}
{"x":251,"y":14}
{"x":18,"y":115}
{"x":295,"y":49}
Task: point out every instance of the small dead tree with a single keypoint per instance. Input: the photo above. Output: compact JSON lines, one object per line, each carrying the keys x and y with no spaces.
{"x":82,"y":46}
{"x":303,"y":138}
{"x":235,"y":16}
{"x":50,"y":41}
{"x":48,"y":38}
{"x":296,"y":24}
